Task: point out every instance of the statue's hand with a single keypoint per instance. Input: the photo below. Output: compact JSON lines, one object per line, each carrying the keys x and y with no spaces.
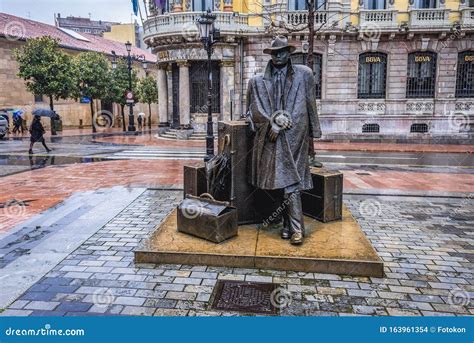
{"x":273,"y":135}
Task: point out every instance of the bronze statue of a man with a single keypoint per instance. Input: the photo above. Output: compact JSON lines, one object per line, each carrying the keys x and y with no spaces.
{"x":282,"y":106}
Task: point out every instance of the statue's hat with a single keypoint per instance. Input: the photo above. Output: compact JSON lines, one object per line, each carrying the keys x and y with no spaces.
{"x":279,"y":43}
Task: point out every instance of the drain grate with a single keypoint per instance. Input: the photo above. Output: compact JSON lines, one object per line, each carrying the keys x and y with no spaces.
{"x":250,"y":297}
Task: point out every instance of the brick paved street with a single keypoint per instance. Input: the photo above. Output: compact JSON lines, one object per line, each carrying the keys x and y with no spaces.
{"x":425,"y":243}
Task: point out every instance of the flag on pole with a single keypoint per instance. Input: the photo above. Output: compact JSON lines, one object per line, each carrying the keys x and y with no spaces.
{"x":135,"y":6}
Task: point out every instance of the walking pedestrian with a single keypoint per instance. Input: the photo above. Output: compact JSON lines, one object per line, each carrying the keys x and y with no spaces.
{"x":140,"y":120}
{"x":37,"y":131}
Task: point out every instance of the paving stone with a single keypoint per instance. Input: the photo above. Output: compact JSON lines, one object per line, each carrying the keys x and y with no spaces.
{"x":42,"y":305}
{"x":70,"y":306}
{"x":180,"y":295}
{"x":160,"y":303}
{"x":137,"y":311}
{"x":204,"y":275}
{"x":168,"y":312}
{"x":259,"y":278}
{"x":187,"y":281}
{"x":169,"y":287}
{"x":122,"y":300}
{"x":369,"y":310}
{"x":15,"y":313}
{"x":19,"y":304}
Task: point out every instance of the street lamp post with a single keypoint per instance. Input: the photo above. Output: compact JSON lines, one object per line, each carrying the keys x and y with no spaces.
{"x":131,"y":121}
{"x":209,"y":35}
{"x":130,"y":58}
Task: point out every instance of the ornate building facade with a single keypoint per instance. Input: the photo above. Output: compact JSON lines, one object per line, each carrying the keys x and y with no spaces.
{"x":383,"y":68}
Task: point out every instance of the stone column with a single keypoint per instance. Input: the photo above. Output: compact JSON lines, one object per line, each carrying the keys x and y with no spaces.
{"x":227,"y":85}
{"x":184,"y":115}
{"x":162,"y":95}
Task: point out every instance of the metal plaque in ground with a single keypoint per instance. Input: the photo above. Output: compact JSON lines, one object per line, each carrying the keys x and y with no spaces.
{"x":249,"y":297}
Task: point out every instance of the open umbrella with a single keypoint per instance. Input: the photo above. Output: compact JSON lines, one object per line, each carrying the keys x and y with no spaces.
{"x":44,"y":112}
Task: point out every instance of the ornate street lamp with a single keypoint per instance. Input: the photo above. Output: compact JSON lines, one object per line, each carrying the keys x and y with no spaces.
{"x":131,"y":121}
{"x":130,"y":58}
{"x":209,"y":35}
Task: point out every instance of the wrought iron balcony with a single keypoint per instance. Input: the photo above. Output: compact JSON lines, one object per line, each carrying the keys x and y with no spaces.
{"x":429,"y":18}
{"x":467,"y":18}
{"x":182,"y":25}
{"x":383,"y":19}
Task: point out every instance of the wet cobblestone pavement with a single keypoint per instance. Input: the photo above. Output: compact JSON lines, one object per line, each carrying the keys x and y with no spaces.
{"x":426,"y":245}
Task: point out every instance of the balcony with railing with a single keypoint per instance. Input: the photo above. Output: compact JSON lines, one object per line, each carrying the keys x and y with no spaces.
{"x":323,"y":20}
{"x":429,"y":18}
{"x":467,"y":18}
{"x":184,"y":24}
{"x":383,"y":19}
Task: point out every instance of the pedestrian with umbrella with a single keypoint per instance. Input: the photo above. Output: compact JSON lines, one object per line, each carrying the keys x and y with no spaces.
{"x":17,"y":121}
{"x":37,"y":130}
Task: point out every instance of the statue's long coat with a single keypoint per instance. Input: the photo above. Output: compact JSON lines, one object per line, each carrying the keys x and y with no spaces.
{"x":285,"y":162}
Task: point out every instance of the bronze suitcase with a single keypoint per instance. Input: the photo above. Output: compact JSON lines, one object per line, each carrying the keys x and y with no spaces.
{"x":324,"y":201}
{"x":254,"y":206}
{"x":207,"y":218}
{"x":195,"y":182}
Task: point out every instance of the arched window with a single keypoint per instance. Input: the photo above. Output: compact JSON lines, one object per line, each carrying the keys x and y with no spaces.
{"x":300,"y":58}
{"x":301,"y":5}
{"x":372,"y":75}
{"x":374,"y":4}
{"x":421,"y":75}
{"x":202,"y":5}
{"x":198,"y":86}
{"x":465,"y":75}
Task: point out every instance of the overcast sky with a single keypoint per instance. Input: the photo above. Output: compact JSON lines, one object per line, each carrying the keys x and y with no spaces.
{"x":44,"y":10}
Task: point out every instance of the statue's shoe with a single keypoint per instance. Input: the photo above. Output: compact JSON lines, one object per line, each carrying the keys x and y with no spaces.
{"x":296,"y":238}
{"x":285,"y":234}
